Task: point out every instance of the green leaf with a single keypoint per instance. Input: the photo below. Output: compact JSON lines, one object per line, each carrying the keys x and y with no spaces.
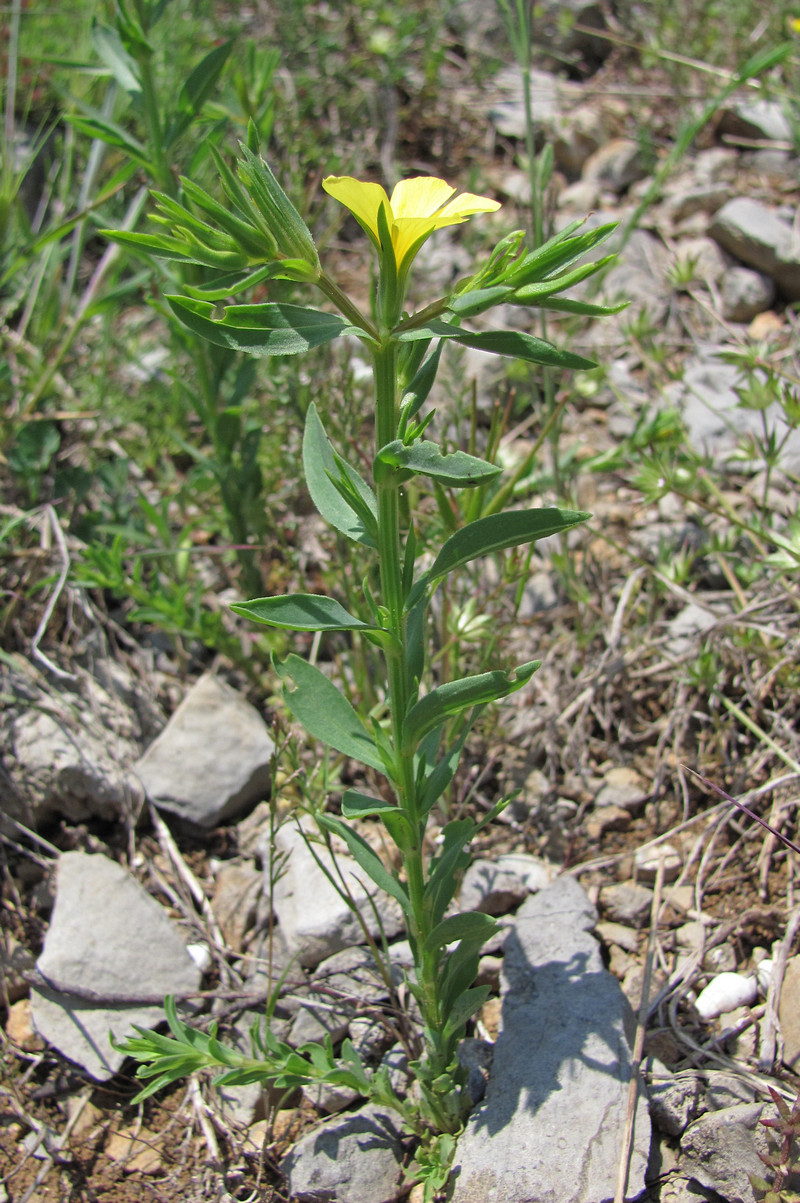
{"x":110,"y":50}
{"x":444,"y":872}
{"x":500,"y":342}
{"x":500,"y":531}
{"x":421,"y":385}
{"x":369,"y":861}
{"x":396,"y":821}
{"x":463,"y":1008}
{"x":425,"y":458}
{"x":471,"y":925}
{"x":301,"y":612}
{"x":564,"y":305}
{"x":259,"y":329}
{"x":478,"y":299}
{"x":95,"y":125}
{"x":324,"y":712}
{"x":197,"y":87}
{"x":322,"y":467}
{"x":441,"y":776}
{"x":524,"y":346}
{"x":454,"y":696}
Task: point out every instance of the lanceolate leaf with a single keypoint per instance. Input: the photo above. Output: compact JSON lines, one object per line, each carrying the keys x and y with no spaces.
{"x":500,"y":342}
{"x":471,"y":925}
{"x":324,"y":712}
{"x":425,"y":458}
{"x":369,"y":861}
{"x":198,"y":87}
{"x":445,"y":871}
{"x":322,"y":468}
{"x":301,"y":612}
{"x":455,"y":696}
{"x":259,"y":329}
{"x":524,"y":346}
{"x":499,"y":531}
{"x":361,"y":806}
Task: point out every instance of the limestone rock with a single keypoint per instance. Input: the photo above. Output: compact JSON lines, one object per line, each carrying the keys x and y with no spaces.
{"x":558,"y":1086}
{"x":212,"y":759}
{"x":626,"y":902}
{"x":759,"y":237}
{"x":356,"y":1158}
{"x":744,"y":293}
{"x":314,"y":919}
{"x":111,"y":942}
{"x":789,"y":1015}
{"x":754,"y":120}
{"x":616,"y":165}
{"x":720,"y":1148}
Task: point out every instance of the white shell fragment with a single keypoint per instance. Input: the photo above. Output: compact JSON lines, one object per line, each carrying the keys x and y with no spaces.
{"x":764,"y":974}
{"x":201,"y":955}
{"x":725,"y":992}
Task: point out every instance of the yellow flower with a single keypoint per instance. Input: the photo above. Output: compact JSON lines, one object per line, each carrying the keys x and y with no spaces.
{"x":417,"y":207}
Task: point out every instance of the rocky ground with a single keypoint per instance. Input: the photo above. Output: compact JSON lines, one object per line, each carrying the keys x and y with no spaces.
{"x":650,"y":929}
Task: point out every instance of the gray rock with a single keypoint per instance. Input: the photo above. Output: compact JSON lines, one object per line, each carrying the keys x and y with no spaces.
{"x":476,"y":1057}
{"x":356,"y":1158}
{"x":754,"y":120}
{"x":789,"y":1015}
{"x":623,"y":787}
{"x":715,"y":420}
{"x":490,"y":889}
{"x":342,"y":986}
{"x":686,"y":630}
{"x":626,"y":902}
{"x":674,"y":1100}
{"x":66,"y":761}
{"x":316,"y":922}
{"x":110,"y":941}
{"x":558,"y":1087}
{"x":616,"y":165}
{"x":212,"y":759}
{"x":534,"y":872}
{"x":577,"y":135}
{"x":760,"y":238}
{"x":507,"y":114}
{"x":679,"y":1189}
{"x":720,"y":1148}
{"x":745,"y":293}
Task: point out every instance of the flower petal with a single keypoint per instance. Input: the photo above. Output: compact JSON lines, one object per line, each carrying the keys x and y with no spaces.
{"x":465,"y":205}
{"x":361,"y":198}
{"x":421,"y":196}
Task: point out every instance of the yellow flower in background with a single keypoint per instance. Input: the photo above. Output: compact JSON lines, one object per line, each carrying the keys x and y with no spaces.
{"x":417,"y":207}
{"x":794,"y":24}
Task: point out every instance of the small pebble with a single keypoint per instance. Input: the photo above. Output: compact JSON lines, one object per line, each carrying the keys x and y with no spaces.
{"x":201,"y":955}
{"x":647,"y":861}
{"x":764,"y":973}
{"x":724,"y":993}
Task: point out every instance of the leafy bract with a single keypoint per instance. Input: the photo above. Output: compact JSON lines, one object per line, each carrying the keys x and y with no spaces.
{"x":342,"y":497}
{"x":455,"y":696}
{"x":301,"y":612}
{"x":500,"y":531}
{"x":499,"y":342}
{"x":425,"y":458}
{"x":324,"y":712}
{"x":369,"y":860}
{"x":268,"y":329}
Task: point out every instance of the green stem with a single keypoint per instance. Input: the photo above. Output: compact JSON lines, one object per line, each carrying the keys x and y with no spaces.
{"x":385,"y":362}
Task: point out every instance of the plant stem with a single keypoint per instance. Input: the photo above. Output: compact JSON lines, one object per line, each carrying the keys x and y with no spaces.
{"x":385,"y":362}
